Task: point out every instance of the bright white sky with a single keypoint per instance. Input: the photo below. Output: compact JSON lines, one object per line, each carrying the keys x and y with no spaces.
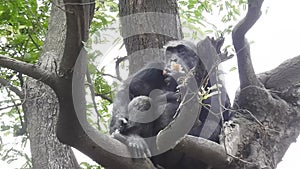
{"x":276,"y":38}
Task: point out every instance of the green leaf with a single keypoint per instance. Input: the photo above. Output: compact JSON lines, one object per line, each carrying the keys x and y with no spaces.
{"x":232,"y":69}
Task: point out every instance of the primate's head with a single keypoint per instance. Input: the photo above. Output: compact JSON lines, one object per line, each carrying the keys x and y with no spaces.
{"x":182,"y":52}
{"x":152,"y":76}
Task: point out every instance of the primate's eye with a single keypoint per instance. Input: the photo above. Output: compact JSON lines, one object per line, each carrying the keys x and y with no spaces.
{"x":181,"y":49}
{"x":170,"y":51}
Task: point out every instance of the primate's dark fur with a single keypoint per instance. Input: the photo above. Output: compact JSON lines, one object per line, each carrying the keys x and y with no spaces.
{"x":154,"y":89}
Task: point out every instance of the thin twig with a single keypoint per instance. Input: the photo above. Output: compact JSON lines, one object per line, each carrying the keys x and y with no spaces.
{"x":118,"y":61}
{"x":10,"y":106}
{"x":109,"y":75}
{"x":91,"y":87}
{"x":6,"y":84}
{"x":103,"y":96}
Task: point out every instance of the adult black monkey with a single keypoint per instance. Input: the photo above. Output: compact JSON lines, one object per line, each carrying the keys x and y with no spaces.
{"x":206,"y":76}
{"x":158,"y":75}
{"x":154,"y":82}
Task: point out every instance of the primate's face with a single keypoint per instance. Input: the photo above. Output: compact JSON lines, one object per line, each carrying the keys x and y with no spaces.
{"x":182,"y":55}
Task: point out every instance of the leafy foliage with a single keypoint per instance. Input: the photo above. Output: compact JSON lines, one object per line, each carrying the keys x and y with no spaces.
{"x":197,"y":16}
{"x":99,"y":105}
{"x":23,"y":25}
{"x":105,"y":14}
{"x":85,"y":165}
{"x":23,"y":28}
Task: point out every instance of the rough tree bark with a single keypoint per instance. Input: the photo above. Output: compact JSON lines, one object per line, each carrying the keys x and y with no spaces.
{"x":267,"y":120}
{"x":268,"y":109}
{"x":142,"y":41}
{"x":41,"y":104}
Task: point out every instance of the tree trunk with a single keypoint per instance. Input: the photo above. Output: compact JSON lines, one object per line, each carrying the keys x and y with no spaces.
{"x":158,"y":23}
{"x":41,"y":104}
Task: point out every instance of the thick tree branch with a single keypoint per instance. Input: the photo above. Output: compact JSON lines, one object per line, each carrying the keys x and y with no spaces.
{"x":242,"y":48}
{"x":271,"y":120}
{"x":78,"y":16}
{"x":72,"y":128}
{"x":204,"y":150}
{"x":284,"y":76}
{"x":31,"y":70}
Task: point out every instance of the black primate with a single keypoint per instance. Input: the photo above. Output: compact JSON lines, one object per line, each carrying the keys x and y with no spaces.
{"x":187,"y":52}
{"x":143,"y":83}
{"x":153,"y":76}
{"x":138,"y":92}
